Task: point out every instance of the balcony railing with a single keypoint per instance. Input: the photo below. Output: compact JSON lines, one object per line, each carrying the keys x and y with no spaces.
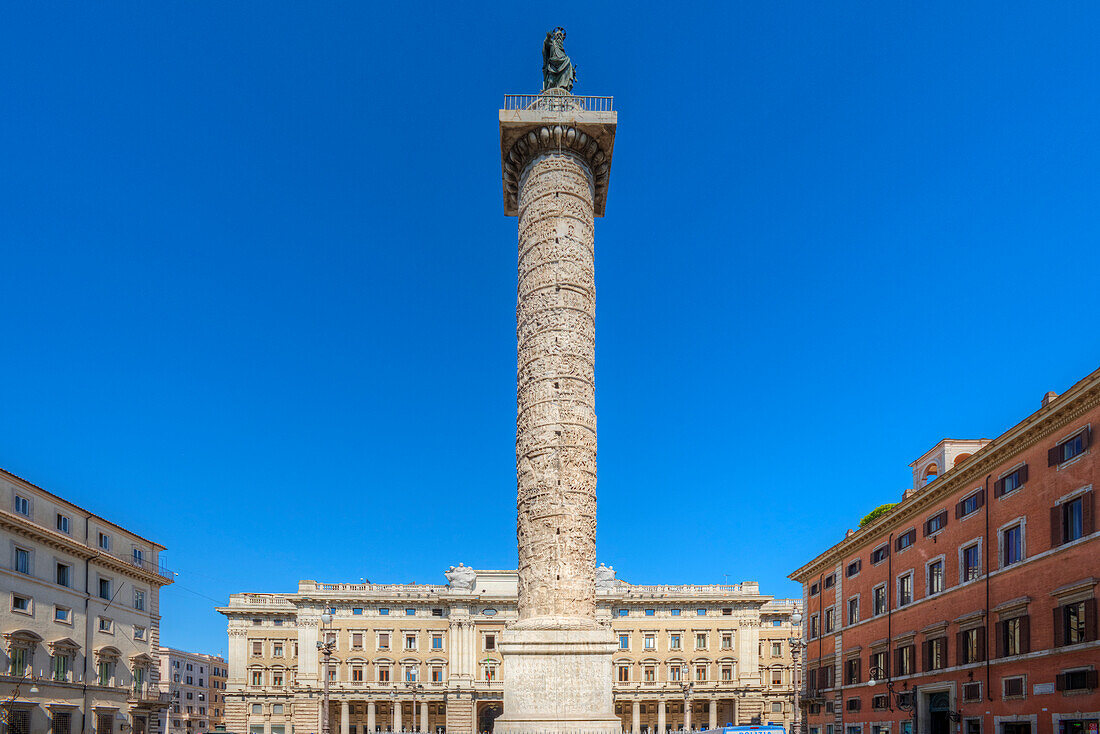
{"x":147,"y":693}
{"x":551,"y":102}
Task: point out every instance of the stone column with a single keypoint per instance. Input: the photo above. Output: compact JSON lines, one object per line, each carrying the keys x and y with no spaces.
{"x":556,"y":158}
{"x":662,"y":723}
{"x":687,"y":715}
{"x":424,"y":716}
{"x":636,"y":717}
{"x":397,"y":716}
{"x":713,"y":722}
{"x":371,"y":717}
{"x":345,"y":717}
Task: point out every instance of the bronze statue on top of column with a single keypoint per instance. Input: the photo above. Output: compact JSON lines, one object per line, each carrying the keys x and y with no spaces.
{"x":558,"y":71}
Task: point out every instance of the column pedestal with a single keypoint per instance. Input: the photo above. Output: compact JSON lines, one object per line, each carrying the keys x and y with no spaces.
{"x":557,"y":681}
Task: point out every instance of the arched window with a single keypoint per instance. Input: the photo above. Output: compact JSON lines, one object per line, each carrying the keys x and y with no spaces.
{"x":961,"y":458}
{"x":931,"y":472}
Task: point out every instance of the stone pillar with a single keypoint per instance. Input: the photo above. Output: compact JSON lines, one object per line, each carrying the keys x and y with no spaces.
{"x":372,"y":716}
{"x":713,"y":722}
{"x":424,"y":717}
{"x":397,"y":716}
{"x":345,"y":717}
{"x":557,"y":672}
{"x":662,"y":723}
{"x":636,"y":717}
{"x":687,"y":715}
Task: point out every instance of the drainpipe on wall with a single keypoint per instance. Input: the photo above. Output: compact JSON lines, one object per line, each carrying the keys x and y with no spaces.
{"x":989,"y":615}
{"x":87,"y":631}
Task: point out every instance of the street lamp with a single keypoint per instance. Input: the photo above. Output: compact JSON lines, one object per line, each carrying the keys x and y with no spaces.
{"x":904,"y":700}
{"x":326,"y":648}
{"x":414,"y":687}
{"x":796,"y":651}
{"x":685,"y":682}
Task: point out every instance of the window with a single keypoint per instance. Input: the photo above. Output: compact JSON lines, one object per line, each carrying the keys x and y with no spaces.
{"x":139,"y":557}
{"x":650,"y":612}
{"x":905,"y":540}
{"x":624,"y":612}
{"x":21,"y":604}
{"x":853,"y":568}
{"x":383,"y":640}
{"x":970,"y":504}
{"x":437,"y":612}
{"x":64,"y":574}
{"x":104,"y":588}
{"x":879,"y":597}
{"x":674,"y":612}
{"x":880,"y":664}
{"x":1013,"y":636}
{"x":904,"y":660}
{"x":63,"y":614}
{"x":815,"y":588}
{"x":490,"y":642}
{"x":905,"y":589}
{"x":878,"y":555}
{"x":22,"y":505}
{"x":437,"y":641}
{"x":106,"y":625}
{"x":61,"y":666}
{"x":935,"y":523}
{"x":700,"y":640}
{"x":1071,"y":448}
{"x":276,"y":679}
{"x":1010,"y":482}
{"x":383,"y":611}
{"x":1072,"y":519}
{"x":410,"y":612}
{"x":410,"y":641}
{"x":277,"y":647}
{"x":674,"y":641}
{"x":651,"y":642}
{"x":23,"y":561}
{"x":829,"y":621}
{"x":139,"y":600}
{"x":972,"y":645}
{"x":257,"y":677}
{"x":63,"y":523}
{"x":383,"y":673}
{"x":105,"y":672}
{"x":853,"y":610}
{"x":437,"y":674}
{"x":649,"y":674}
{"x":813,"y":626}
{"x":935,"y":577}
{"x":777,"y":649}
{"x":701,"y":672}
{"x":1083,"y":679}
{"x":257,"y":708}
{"x":1012,"y":545}
{"x":935,"y":652}
{"x":1014,"y":687}
{"x":830,"y":580}
{"x":105,"y":541}
{"x":852,"y":705}
{"x":851,"y":671}
{"x":257,"y":648}
{"x":701,"y":612}
{"x":357,"y":610}
{"x":139,"y":633}
{"x":972,"y":692}
{"x":971,"y":566}
{"x":624,"y":673}
{"x":878,"y":703}
{"x":1075,"y":623}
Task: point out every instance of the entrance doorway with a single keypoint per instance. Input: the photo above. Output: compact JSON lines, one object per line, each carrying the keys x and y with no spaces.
{"x":487,"y":715}
{"x":939,"y":713}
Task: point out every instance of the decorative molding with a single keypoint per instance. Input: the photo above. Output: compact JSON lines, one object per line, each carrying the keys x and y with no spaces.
{"x":554,"y":139}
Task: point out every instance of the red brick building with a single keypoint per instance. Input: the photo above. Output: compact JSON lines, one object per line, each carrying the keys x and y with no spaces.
{"x":970,"y":606}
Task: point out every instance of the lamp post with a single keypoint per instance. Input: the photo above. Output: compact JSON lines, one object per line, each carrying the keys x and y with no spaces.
{"x":685,"y":682}
{"x":904,"y":700}
{"x":326,"y":648}
{"x":414,"y":687}
{"x":796,"y":652}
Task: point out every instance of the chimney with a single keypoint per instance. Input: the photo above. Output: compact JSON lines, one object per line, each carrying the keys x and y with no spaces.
{"x":1049,"y":398}
{"x":850,"y":533}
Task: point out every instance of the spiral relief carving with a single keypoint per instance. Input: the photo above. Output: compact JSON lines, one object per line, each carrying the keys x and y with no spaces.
{"x":556,"y":415}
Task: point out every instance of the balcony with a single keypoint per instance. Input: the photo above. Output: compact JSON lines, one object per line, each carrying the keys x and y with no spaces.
{"x":147,"y":696}
{"x":557,"y":102}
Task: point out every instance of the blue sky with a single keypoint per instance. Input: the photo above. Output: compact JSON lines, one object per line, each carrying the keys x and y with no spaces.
{"x":258,"y":289}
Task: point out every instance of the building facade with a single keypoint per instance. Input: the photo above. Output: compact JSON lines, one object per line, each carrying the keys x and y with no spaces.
{"x":80,"y":618}
{"x":970,"y":606}
{"x":196,"y":688}
{"x":426,"y":657}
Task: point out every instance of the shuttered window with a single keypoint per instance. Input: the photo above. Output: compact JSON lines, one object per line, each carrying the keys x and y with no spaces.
{"x":970,"y":504}
{"x":1010,"y":482}
{"x":1071,"y":448}
{"x":905,"y":540}
{"x":935,"y":523}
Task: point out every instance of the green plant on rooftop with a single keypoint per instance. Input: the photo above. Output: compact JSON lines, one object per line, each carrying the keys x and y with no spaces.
{"x":876,"y":513}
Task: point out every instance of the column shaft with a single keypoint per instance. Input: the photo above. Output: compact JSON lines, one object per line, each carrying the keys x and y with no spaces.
{"x":713,"y":714}
{"x":662,"y":723}
{"x":345,"y":717}
{"x":424,"y":717}
{"x":371,"y":717}
{"x":397,"y":716}
{"x":635,"y":717}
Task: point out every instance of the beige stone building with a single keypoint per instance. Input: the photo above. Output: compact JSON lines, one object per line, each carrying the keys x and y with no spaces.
{"x":196,"y":688}
{"x":426,"y":657}
{"x":80,"y":618}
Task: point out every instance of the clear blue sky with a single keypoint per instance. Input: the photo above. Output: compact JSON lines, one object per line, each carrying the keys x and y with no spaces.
{"x":258,"y":290}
